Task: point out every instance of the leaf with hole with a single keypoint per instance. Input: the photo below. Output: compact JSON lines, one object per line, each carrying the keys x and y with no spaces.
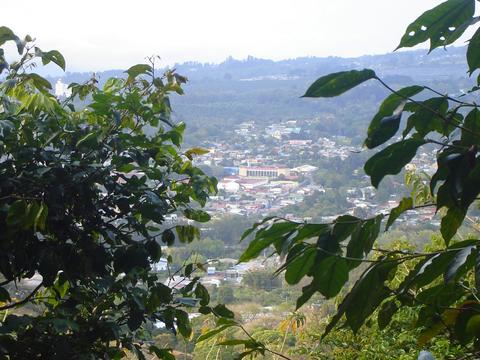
{"x":439,"y":24}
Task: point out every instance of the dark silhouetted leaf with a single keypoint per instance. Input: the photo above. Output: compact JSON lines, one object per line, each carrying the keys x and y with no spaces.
{"x":162,"y":354}
{"x":139,"y":69}
{"x":223,"y":311}
{"x":197,"y":215}
{"x":405,"y":204}
{"x":392,"y":159}
{"x":336,"y":84}
{"x":55,"y":57}
{"x":451,"y":222}
{"x":362,"y":239}
{"x":473,"y":53}
{"x":369,"y":291}
{"x":463,"y":260}
{"x":386,"y":312}
{"x":330,"y":276}
{"x":439,"y":24}
{"x":386,"y":122}
{"x":300,"y":265}
{"x":428,"y":116}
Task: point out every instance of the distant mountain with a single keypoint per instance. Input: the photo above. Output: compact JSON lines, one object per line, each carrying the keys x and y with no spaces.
{"x":220,"y":95}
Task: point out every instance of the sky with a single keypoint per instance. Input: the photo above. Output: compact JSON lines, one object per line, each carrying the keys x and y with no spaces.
{"x":97,"y":35}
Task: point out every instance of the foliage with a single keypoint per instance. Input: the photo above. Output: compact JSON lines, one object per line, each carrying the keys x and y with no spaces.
{"x":225,"y":295}
{"x":326,"y":254}
{"x":261,"y":280}
{"x":82,"y":196}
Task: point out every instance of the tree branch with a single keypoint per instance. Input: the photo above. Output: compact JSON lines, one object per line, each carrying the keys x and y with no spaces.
{"x":24,"y":301}
{"x":441,"y":116}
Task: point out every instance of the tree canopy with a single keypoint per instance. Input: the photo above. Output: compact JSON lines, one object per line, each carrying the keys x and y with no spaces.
{"x":83,"y":196}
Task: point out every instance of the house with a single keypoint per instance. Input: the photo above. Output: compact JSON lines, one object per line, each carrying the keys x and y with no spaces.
{"x":162,"y":265}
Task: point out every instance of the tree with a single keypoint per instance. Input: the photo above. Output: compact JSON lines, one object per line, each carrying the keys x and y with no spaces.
{"x":225,"y":295}
{"x":83,"y":195}
{"x":260,"y":279}
{"x":443,"y":284}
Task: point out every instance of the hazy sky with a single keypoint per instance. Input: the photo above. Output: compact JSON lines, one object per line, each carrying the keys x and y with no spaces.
{"x":106,"y":34}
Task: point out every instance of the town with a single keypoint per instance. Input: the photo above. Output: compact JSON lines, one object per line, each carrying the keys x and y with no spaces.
{"x":279,"y":171}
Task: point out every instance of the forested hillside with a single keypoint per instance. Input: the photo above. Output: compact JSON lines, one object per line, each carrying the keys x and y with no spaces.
{"x":269,"y":91}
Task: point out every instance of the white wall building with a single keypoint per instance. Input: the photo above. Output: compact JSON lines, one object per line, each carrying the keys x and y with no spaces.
{"x":61,"y":89}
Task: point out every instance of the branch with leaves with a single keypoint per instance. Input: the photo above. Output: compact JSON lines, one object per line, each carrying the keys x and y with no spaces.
{"x":326,"y":254}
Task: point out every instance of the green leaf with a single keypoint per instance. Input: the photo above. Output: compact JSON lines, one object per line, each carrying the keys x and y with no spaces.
{"x":215,"y":331}
{"x":16,"y":213}
{"x":162,"y":354}
{"x":53,"y":56}
{"x":392,"y":159}
{"x":386,"y":122}
{"x":195,"y":151}
{"x":438,"y":297}
{"x":266,"y":237}
{"x":330,"y":276}
{"x":300,"y":266}
{"x":188,"y":270}
{"x":4,"y":295}
{"x":248,"y":343}
{"x":386,"y":312}
{"x":440,"y":25}
{"x":426,"y":117}
{"x":473,"y":53}
{"x":41,"y":218}
{"x":183,"y":323}
{"x":202,"y":293}
{"x":337,"y":83}
{"x":307,"y":292}
{"x":168,"y":237}
{"x":369,"y":291}
{"x":432,"y":267}
{"x":463,"y":260}
{"x":222,"y":311}
{"x":138,"y":69}
{"x":39,"y":82}
{"x":362,"y":240}
{"x":405,"y":205}
{"x":197,"y":215}
{"x":7,"y":35}
{"x":255,"y":226}
{"x":344,"y":226}
{"x":451,"y":222}
{"x":88,"y":140}
{"x":187,"y":233}
{"x":472,"y":123}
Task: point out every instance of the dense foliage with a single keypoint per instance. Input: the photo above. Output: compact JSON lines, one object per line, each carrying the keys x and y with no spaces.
{"x":83,"y":193}
{"x":442,"y":283}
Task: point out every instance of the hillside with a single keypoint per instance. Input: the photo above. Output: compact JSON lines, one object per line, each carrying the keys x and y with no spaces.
{"x":219,"y":95}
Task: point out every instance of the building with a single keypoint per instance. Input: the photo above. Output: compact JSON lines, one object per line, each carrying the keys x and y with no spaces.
{"x":229,"y":186}
{"x":61,"y":89}
{"x":162,"y":265}
{"x":304,"y":169}
{"x":270,"y":172}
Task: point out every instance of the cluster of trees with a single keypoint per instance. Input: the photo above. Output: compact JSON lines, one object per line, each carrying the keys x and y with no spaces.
{"x":83,"y":193}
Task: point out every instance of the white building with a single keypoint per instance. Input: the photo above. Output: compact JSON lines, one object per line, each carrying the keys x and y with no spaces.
{"x":61,"y":89}
{"x":162,"y":265}
{"x":229,"y":186}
